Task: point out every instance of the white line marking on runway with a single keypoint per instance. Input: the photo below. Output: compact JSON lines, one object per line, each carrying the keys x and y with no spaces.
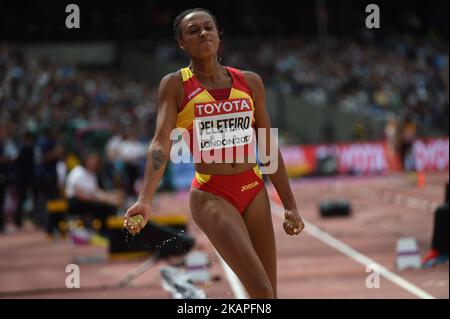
{"x":355,"y":255}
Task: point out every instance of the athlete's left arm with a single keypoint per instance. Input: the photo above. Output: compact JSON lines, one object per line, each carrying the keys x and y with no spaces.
{"x":293,"y":222}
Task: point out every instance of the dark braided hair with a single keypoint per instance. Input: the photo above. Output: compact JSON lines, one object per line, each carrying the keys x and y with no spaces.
{"x":179,"y":18}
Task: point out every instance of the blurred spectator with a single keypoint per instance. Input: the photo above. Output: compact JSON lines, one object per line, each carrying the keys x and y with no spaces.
{"x":126,"y":153}
{"x":391,"y":135}
{"x":114,"y":166}
{"x":7,"y":157}
{"x":407,"y":138}
{"x":85,"y":195}
{"x":132,"y":151}
{"x":25,"y":176}
{"x":48,"y":152}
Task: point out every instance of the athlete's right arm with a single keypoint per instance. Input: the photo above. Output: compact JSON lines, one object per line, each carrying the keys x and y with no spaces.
{"x":159,"y":150}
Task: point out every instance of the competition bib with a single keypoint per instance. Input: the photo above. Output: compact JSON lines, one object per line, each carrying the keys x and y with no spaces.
{"x":222,"y":124}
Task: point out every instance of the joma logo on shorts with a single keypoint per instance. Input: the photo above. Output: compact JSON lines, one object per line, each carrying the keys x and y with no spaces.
{"x":249,"y":186}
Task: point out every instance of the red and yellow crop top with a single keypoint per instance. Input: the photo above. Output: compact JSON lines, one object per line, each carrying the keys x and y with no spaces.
{"x":217,"y":119}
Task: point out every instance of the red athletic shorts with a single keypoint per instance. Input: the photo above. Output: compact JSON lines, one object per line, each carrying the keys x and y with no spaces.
{"x":239,"y":189}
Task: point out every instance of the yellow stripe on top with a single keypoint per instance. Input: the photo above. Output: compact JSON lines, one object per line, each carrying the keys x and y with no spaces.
{"x":186,"y":74}
{"x":185,"y":118}
{"x":202,"y":178}
{"x":257,"y":171}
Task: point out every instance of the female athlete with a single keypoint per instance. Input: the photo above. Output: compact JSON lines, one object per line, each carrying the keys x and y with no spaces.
{"x":228,"y":201}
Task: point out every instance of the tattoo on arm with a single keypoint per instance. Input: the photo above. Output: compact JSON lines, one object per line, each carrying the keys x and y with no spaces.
{"x":158,"y":159}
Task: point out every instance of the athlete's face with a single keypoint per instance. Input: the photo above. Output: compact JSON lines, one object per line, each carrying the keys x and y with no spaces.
{"x":198,"y":35}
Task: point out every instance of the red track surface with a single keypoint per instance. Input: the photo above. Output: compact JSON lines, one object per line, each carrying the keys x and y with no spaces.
{"x":384,"y":210}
